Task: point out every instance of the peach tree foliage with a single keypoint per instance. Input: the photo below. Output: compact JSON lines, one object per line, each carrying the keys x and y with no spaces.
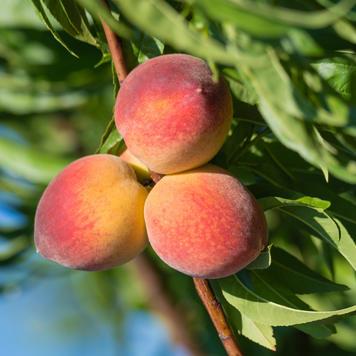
{"x":291,"y":70}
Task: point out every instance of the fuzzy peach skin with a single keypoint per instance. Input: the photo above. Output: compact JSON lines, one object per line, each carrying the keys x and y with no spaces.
{"x":205,"y":223}
{"x":90,"y":217}
{"x":171,"y":113}
{"x":140,"y":169}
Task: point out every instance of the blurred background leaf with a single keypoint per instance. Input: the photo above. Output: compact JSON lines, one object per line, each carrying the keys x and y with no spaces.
{"x":290,"y":68}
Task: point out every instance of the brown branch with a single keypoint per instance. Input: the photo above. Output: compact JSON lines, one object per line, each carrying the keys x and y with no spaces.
{"x":115,"y":46}
{"x":217,"y":315}
{"x":159,"y":299}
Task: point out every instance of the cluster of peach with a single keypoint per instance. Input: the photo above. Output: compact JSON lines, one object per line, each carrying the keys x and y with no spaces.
{"x":200,"y":220}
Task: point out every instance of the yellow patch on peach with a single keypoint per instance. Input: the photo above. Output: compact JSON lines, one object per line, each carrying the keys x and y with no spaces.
{"x":140,"y":169}
{"x":91,"y":215}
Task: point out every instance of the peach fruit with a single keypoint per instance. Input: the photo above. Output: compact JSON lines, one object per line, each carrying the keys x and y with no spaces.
{"x":205,"y":223}
{"x":90,"y":217}
{"x":140,"y":169}
{"x":171,"y":113}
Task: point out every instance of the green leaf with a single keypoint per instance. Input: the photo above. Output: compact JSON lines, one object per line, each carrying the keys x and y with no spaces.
{"x":140,"y":47}
{"x":308,"y":202}
{"x":264,"y":311}
{"x":340,"y":207}
{"x":346,"y":245}
{"x":161,"y":21}
{"x":150,"y":47}
{"x":320,"y":222}
{"x":238,"y":89}
{"x":288,"y":160}
{"x":110,"y":138}
{"x":300,"y":279}
{"x":115,"y":80}
{"x":248,"y":113}
{"x":258,"y":17}
{"x":267,"y":286}
{"x":78,"y":19}
{"x":329,"y":228}
{"x":345,"y":30}
{"x":284,"y":109}
{"x":339,"y":75}
{"x":263,"y":190}
{"x":347,"y":141}
{"x":259,"y":333}
{"x":261,"y":164}
{"x":44,"y":18}
{"x":34,"y":166}
{"x":315,"y":330}
{"x":276,"y":160}
{"x":262,"y":261}
{"x":97,"y":9}
{"x":73,"y":19}
{"x":273,"y":84}
{"x":241,"y":131}
{"x":303,"y":43}
{"x":244,"y":175}
{"x":57,"y":10}
{"x":226,"y":11}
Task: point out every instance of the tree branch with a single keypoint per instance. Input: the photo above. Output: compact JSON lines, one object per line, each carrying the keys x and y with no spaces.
{"x":149,"y":276}
{"x":115,"y":46}
{"x":217,"y":315}
{"x":160,"y":301}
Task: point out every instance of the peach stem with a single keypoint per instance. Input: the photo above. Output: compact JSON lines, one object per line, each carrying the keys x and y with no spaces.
{"x":202,"y":286}
{"x":217,"y":315}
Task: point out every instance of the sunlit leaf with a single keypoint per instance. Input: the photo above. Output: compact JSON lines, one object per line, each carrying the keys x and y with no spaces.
{"x":162,"y":21}
{"x":259,"y":333}
{"x":330,"y":229}
{"x":267,"y":312}
{"x":44,"y":18}
{"x":252,"y":14}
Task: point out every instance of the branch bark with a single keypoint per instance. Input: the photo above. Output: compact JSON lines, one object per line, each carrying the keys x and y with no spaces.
{"x":115,"y":45}
{"x":149,"y":277}
{"x":152,"y":281}
{"x":217,"y":315}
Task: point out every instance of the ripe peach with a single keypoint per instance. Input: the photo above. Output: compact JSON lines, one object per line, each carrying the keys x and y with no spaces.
{"x":140,"y":169}
{"x":171,"y":113}
{"x":205,"y":223}
{"x":90,"y":217}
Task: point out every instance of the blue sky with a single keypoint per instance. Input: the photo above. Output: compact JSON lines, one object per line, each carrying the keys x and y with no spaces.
{"x":46,"y":320}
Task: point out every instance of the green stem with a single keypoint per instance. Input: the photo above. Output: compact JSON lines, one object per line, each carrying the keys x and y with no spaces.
{"x":248,"y":144}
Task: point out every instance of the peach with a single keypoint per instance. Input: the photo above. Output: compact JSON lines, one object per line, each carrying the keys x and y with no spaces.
{"x":205,"y":223}
{"x":90,"y":217}
{"x":171,"y":113}
{"x":140,"y":169}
